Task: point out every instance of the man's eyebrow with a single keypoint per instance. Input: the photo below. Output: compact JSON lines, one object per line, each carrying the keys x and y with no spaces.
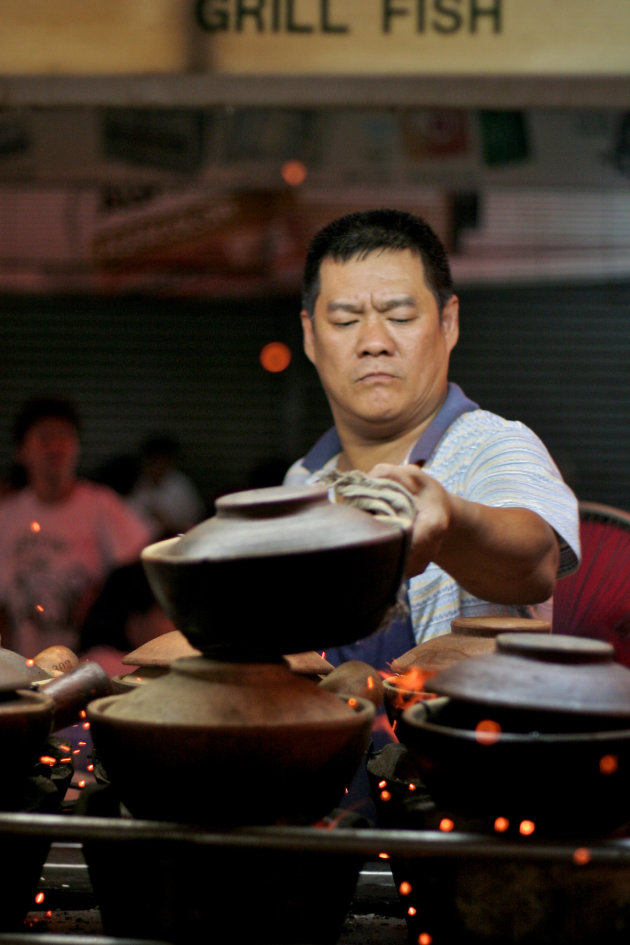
{"x":396,"y":301}
{"x":338,"y":305}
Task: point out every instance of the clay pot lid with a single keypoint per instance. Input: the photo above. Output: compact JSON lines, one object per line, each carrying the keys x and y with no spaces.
{"x":16,"y":672}
{"x":532,"y":671}
{"x":173,"y":645}
{"x":275,"y":521}
{"x":469,"y":636}
{"x":161,"y":650}
{"x":494,"y":624}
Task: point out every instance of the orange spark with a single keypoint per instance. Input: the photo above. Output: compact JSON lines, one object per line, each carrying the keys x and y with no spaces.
{"x":411,"y":910}
{"x":412,"y":786}
{"x":405,"y":888}
{"x":424,"y":939}
{"x":582,"y":856}
{"x":30,"y":662}
{"x":386,"y":796}
{"x":382,"y":784}
{"x":608,"y":764}
{"x":501,"y":824}
{"x":487,"y":732}
{"x":82,"y":783}
{"x":36,"y":527}
{"x":370,"y":682}
{"x":526,"y":828}
{"x":352,"y":702}
{"x":39,"y":898}
{"x":39,"y":608}
{"x":47,"y":760}
{"x":446,"y":825}
{"x":383,"y":856}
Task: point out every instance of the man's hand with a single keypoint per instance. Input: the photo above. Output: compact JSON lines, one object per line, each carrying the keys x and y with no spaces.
{"x":503,"y":555}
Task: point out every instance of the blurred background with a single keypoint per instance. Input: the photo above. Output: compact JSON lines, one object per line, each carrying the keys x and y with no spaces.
{"x":152,"y":234}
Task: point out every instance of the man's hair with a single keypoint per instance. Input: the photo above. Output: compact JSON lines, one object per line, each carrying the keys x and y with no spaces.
{"x":41,"y":408}
{"x":366,"y":231}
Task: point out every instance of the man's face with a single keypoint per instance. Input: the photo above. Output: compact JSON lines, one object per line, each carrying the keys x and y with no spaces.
{"x":49,"y":451}
{"x":378,"y":343}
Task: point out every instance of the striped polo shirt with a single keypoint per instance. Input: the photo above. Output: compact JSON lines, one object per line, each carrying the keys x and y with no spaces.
{"x":483,"y":458}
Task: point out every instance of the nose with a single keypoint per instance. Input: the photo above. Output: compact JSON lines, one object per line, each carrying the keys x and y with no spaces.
{"x":374,"y":338}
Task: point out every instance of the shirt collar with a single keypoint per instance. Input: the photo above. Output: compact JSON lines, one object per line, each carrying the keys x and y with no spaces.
{"x":456,"y":403}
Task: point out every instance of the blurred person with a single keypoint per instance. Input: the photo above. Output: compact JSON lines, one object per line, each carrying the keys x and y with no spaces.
{"x":164,"y":496}
{"x":61,"y":535}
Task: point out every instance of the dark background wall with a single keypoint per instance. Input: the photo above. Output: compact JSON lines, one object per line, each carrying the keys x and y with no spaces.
{"x":555,"y":357}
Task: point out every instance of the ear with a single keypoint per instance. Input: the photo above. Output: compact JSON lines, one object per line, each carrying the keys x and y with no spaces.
{"x":308,"y":335}
{"x":450,"y":322}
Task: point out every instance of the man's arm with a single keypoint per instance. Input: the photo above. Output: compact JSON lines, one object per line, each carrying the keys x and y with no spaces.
{"x":503,"y":555}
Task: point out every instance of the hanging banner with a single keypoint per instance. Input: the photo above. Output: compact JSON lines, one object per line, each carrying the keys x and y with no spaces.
{"x":299,"y":37}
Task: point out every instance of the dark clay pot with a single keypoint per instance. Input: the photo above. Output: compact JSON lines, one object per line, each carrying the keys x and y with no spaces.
{"x":538,"y":730}
{"x":321,"y":573}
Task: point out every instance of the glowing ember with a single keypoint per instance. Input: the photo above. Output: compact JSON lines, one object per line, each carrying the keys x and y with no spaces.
{"x":65,"y":747}
{"x":386,"y":796}
{"x":608,"y":764}
{"x":582,"y":856}
{"x":82,"y":783}
{"x":35,"y":527}
{"x":446,"y":825}
{"x":85,"y":725}
{"x":501,"y":824}
{"x":294,"y":173}
{"x":526,"y":828}
{"x":382,"y":784}
{"x":352,"y":702}
{"x":90,"y":767}
{"x":65,"y":761}
{"x":82,"y":714}
{"x":47,"y":760}
{"x":405,"y":888}
{"x":487,"y":732}
{"x":370,"y":682}
{"x":39,"y":608}
{"x":424,"y":939}
{"x":411,"y":910}
{"x":39,"y":898}
{"x":383,"y":856}
{"x":30,"y":662}
{"x":412,"y":786}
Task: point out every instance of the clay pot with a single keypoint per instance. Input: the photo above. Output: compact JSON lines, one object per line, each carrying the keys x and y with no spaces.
{"x":538,"y":730}
{"x":321,"y":573}
{"x":230,"y":743}
{"x":355,"y":678}
{"x":469,"y":636}
{"x":401,"y":692}
{"x":25,"y":721}
{"x":153,"y":659}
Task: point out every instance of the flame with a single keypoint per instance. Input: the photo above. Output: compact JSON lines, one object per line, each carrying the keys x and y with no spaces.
{"x":410,"y":687}
{"x":608,"y":764}
{"x":405,"y":888}
{"x":487,"y":732}
{"x":446,"y":825}
{"x":526,"y":828}
{"x":35,"y":527}
{"x":501,"y":824}
{"x":582,"y":856}
{"x":39,"y":898}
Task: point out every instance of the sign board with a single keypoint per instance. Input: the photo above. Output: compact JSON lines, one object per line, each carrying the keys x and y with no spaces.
{"x":300,"y":37}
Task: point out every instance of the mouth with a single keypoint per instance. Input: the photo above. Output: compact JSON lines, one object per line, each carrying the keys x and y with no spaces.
{"x":376,"y":376}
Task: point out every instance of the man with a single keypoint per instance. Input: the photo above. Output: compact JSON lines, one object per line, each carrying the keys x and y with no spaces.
{"x":495,"y":524}
{"x":61,"y":536}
